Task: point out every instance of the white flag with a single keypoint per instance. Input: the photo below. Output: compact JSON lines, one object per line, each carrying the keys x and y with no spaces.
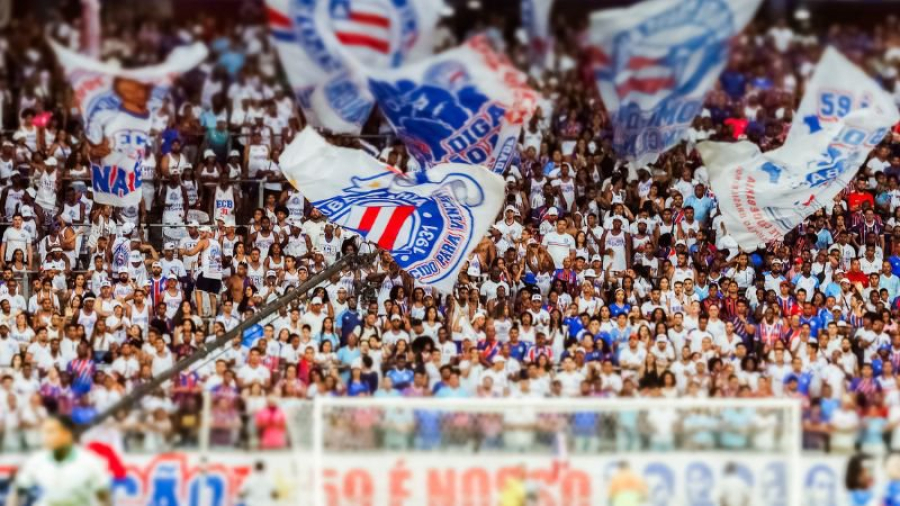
{"x":324,"y":47}
{"x":763,"y":196}
{"x":836,"y":88}
{"x":654,"y":63}
{"x":116,"y":105}
{"x":430,"y":223}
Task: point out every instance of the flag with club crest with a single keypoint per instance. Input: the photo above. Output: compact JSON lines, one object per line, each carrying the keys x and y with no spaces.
{"x":465,"y":105}
{"x":763,"y":196}
{"x":655,"y":61}
{"x":430,"y":222}
{"x":116,"y":106}
{"x":326,"y":45}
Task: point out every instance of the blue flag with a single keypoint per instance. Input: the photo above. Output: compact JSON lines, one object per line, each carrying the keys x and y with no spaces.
{"x":466,"y":105}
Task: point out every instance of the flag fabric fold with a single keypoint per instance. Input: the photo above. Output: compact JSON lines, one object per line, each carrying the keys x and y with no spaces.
{"x":763,"y":196}
{"x":655,"y":61}
{"x":325,"y":47}
{"x":466,"y":105}
{"x":536,"y":22}
{"x":115,"y":105}
{"x":429,"y":223}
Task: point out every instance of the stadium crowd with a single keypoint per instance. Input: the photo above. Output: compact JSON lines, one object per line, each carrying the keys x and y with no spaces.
{"x":598,"y":279}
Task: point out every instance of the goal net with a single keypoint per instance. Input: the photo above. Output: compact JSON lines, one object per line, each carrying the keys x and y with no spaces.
{"x":554,"y":452}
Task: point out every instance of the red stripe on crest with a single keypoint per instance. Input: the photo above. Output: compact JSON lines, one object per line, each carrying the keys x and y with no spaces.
{"x":399,"y":216}
{"x":368,"y":218}
{"x":370,"y":19}
{"x":358,"y":39}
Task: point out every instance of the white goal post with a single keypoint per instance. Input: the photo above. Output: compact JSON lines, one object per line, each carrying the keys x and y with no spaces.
{"x":469,"y":452}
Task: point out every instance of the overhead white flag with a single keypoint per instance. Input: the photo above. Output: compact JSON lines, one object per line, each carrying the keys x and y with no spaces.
{"x":465,"y":105}
{"x":836,"y":88}
{"x":430,"y":223}
{"x":324,"y":47}
{"x":763,"y":196}
{"x":536,"y":22}
{"x":654,"y":63}
{"x":115,"y":104}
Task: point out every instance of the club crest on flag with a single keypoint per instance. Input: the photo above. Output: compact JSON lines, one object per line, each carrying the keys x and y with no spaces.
{"x":667,"y":56}
{"x":324,"y":45}
{"x":379,"y":30}
{"x":446,"y":115}
{"x":466,"y":105}
{"x":426,"y":224}
{"x":654,"y":63}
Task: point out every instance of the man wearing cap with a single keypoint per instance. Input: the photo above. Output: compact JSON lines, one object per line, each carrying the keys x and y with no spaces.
{"x":188,"y":243}
{"x":270,"y":290}
{"x":548,"y":223}
{"x":298,"y":242}
{"x":539,"y":316}
{"x":123,"y":291}
{"x":314,"y":316}
{"x":559,"y":244}
{"x":209,"y":279}
{"x":396,"y":333}
{"x":170,"y":262}
{"x":48,"y":184}
{"x":509,"y":227}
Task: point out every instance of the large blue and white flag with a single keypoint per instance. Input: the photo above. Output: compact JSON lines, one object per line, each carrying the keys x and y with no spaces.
{"x":536,"y":22}
{"x":836,"y":88}
{"x":654,"y":62}
{"x":466,"y":105}
{"x":116,"y":106}
{"x":763,"y":196}
{"x":430,"y":223}
{"x":325,"y":45}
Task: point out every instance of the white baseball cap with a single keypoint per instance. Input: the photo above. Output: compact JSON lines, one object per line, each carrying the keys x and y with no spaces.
{"x":209,"y":153}
{"x":552,"y":212}
{"x":169,"y":245}
{"x":316,"y":300}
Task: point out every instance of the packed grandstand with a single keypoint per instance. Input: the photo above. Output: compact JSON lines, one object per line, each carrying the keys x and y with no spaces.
{"x":599,"y":279}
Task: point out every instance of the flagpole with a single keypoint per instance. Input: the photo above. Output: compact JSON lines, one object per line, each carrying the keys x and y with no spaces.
{"x":128,"y":401}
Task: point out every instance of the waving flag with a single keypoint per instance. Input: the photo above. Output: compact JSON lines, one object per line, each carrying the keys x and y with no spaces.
{"x":115,"y":105}
{"x":536,"y":21}
{"x":430,"y":223}
{"x":836,"y":88}
{"x":654,"y":63}
{"x":325,"y":44}
{"x":466,"y":105}
{"x":763,"y":196}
